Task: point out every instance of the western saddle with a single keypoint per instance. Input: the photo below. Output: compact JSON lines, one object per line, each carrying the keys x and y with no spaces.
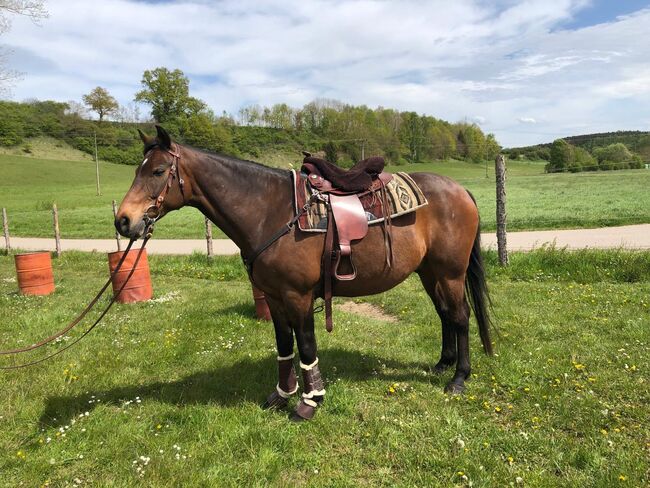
{"x":346,"y":218}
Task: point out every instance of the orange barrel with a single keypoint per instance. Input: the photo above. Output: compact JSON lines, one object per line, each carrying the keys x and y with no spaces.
{"x":138,"y":289}
{"x":34,"y":271}
{"x":261,"y":307}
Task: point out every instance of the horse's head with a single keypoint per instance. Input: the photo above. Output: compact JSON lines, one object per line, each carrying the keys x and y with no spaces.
{"x":151,"y":178}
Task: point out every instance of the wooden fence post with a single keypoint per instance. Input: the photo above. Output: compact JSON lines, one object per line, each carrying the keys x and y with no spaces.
{"x":57,"y":236}
{"x":5,"y":229}
{"x":500,"y":170}
{"x":208,"y":237}
{"x":117,"y":234}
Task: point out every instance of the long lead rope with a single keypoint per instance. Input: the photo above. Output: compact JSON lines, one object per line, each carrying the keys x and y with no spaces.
{"x":101,"y":316}
{"x":152,"y":214}
{"x":85,"y":311}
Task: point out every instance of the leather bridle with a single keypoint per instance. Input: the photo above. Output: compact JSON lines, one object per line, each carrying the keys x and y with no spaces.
{"x":151,"y":215}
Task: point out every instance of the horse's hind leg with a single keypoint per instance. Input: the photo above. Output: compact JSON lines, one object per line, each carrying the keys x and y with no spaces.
{"x":448,"y":352}
{"x":287,"y":381}
{"x":448,"y":296}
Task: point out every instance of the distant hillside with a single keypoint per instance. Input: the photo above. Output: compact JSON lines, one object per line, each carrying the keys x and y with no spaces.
{"x":635,"y":140}
{"x":343,"y":133}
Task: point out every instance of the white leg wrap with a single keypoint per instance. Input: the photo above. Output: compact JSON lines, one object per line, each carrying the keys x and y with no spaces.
{"x":285,"y":394}
{"x":309,"y":402}
{"x":313,"y":393}
{"x":291,"y":356}
{"x":307,"y":367}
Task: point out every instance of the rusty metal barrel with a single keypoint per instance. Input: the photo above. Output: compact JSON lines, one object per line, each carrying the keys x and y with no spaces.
{"x":261,"y":307}
{"x":139,"y":288}
{"x":34,"y":273}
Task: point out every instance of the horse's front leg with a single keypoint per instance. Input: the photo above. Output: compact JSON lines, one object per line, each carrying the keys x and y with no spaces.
{"x":287,"y":381}
{"x":300,"y":309}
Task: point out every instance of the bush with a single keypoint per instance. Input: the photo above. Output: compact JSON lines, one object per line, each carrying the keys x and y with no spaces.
{"x":636,"y":162}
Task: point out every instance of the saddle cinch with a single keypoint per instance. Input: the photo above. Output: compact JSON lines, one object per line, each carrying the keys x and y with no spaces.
{"x":347,"y":220}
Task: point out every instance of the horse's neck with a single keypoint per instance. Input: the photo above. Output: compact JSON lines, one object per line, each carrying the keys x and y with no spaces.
{"x":248,"y":202}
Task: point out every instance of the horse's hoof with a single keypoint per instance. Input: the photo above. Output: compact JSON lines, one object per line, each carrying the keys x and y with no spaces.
{"x":275,"y":402}
{"x":294,"y":417}
{"x":454,"y":388}
{"x":440,"y":368}
{"x":303,"y":412}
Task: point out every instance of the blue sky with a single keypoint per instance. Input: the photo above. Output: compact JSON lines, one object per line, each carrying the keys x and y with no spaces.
{"x":528,"y":71}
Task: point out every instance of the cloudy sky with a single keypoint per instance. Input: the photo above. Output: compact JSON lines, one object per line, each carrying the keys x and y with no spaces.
{"x":528,"y":71}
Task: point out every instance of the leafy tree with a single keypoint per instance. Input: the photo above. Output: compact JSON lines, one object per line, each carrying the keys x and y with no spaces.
{"x":492,"y":147}
{"x":200,"y":130}
{"x":561,"y":156}
{"x":613,"y":156}
{"x":32,"y":9}
{"x":100,"y":101}
{"x":472,"y":142}
{"x":330,"y":152}
{"x":581,"y":160}
{"x":168,"y":93}
{"x":412,"y":135}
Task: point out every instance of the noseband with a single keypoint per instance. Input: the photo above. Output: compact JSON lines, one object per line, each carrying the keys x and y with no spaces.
{"x":152,"y":214}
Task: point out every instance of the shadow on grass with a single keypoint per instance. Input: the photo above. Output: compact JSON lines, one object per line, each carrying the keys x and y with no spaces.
{"x":247,"y":380}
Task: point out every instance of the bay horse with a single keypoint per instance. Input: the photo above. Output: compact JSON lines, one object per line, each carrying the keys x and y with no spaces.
{"x":250,"y":202}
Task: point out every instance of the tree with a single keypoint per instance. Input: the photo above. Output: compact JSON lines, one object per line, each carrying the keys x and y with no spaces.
{"x":100,"y":101}
{"x":492,"y":147}
{"x":330,"y":152}
{"x":614,"y":156}
{"x":168,"y":93}
{"x":560,"y":156}
{"x":33,"y":9}
{"x":412,"y":135}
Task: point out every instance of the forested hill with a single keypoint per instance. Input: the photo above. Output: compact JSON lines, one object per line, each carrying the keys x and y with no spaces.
{"x":344,"y":133}
{"x":590,"y":152}
{"x":635,"y":140}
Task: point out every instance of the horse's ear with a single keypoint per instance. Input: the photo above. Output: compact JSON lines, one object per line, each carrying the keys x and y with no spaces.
{"x":146,"y":140}
{"x":163,"y":138}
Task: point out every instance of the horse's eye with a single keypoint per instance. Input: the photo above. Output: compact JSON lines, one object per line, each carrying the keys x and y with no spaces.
{"x":159,"y":172}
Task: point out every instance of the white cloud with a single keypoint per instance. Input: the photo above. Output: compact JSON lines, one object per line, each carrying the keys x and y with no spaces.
{"x":448,"y":59}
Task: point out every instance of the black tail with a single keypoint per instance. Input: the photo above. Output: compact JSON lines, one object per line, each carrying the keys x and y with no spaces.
{"x":477,"y":291}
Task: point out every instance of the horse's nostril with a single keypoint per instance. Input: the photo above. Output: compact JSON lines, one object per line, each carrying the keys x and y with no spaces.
{"x":122,"y":224}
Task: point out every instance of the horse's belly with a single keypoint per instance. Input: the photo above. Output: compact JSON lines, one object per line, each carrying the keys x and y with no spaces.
{"x":369,"y":257}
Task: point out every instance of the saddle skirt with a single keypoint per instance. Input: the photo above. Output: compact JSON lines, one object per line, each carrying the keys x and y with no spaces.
{"x":403,"y":195}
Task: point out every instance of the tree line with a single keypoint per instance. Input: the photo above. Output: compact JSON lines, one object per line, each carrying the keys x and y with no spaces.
{"x":590,"y":152}
{"x":345,"y":133}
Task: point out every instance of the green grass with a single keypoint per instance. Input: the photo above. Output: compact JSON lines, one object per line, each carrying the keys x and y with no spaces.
{"x":30,"y":186}
{"x":564,"y":402}
{"x":43,"y":147}
{"x":535,"y":200}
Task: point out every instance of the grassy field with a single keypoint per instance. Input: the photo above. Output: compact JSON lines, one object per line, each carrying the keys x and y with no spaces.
{"x":167,"y":393}
{"x":535,"y":200}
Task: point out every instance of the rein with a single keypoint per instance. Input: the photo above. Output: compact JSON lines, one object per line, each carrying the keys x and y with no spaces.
{"x":151,"y":215}
{"x":285,"y":229}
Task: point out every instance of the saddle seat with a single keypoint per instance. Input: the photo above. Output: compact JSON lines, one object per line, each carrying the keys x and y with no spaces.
{"x":358,"y":178}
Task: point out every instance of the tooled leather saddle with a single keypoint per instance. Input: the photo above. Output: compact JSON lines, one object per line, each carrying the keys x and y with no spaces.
{"x":346,"y":219}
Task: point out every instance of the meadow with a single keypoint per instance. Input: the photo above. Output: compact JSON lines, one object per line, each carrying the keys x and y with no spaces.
{"x":535,"y":200}
{"x":167,"y":393}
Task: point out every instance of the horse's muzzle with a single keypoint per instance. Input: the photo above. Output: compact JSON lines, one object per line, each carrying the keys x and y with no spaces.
{"x":127,"y":228}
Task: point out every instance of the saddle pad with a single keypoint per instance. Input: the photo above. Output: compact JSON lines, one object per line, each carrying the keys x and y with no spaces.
{"x":403,"y":194}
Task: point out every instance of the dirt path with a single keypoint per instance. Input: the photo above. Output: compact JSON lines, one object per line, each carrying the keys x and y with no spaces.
{"x":628,"y":236}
